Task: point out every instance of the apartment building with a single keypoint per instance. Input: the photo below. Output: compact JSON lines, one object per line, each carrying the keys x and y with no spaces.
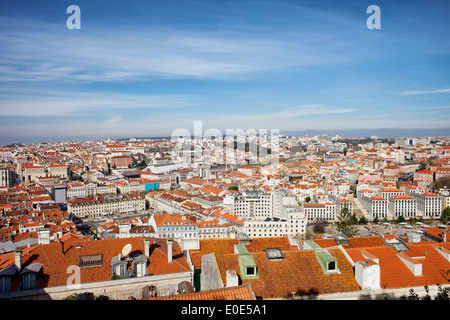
{"x":183,"y":228}
{"x":423,"y":178}
{"x":256,"y":204}
{"x":122,"y":161}
{"x":6,"y":176}
{"x":389,"y":192}
{"x":376,"y":207}
{"x":82,"y":190}
{"x":341,"y":203}
{"x":319,"y":211}
{"x":429,"y":205}
{"x":95,"y":207}
{"x":402,"y":206}
{"x":215,"y":229}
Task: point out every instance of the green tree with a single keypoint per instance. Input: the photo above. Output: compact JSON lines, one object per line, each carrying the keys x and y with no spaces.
{"x":346,"y":223}
{"x":445,"y":218}
{"x":363,"y":220}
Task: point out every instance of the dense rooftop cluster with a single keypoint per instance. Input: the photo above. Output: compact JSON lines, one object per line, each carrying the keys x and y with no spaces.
{"x":167,"y":225}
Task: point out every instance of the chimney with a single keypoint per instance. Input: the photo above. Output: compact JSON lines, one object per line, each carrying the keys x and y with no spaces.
{"x":169,"y":250}
{"x":367,"y":274}
{"x":18,"y":258}
{"x":147,"y":247}
{"x":124,"y":231}
{"x":444,"y":236}
{"x":44,"y":236}
{"x":232,"y":278}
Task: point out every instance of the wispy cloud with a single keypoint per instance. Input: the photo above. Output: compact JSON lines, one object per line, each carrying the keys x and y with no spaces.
{"x":65,"y":103}
{"x":410,"y":93}
{"x":112,"y":54}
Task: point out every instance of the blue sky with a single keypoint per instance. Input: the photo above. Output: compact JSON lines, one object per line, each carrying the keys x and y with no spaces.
{"x":146,"y":68}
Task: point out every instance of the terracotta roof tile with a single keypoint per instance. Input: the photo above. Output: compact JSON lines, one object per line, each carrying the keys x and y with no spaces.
{"x":243,"y":292}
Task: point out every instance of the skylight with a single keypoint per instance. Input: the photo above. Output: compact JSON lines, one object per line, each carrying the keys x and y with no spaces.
{"x":93,"y":260}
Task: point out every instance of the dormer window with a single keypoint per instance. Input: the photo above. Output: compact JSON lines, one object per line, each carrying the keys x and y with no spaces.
{"x":140,"y":265}
{"x":28,"y":281}
{"x":119,"y":270}
{"x":5,"y":284}
{"x":332,"y":266}
{"x":6,"y":277}
{"x":250,"y":271}
{"x":30,"y":274}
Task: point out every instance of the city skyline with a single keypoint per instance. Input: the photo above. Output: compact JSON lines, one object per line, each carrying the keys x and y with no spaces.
{"x":145,"y":69}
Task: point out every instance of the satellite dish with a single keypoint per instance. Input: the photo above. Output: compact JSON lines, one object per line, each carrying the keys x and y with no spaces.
{"x":126,"y":249}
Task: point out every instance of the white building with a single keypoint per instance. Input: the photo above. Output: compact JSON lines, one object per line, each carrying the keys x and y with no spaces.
{"x":267,"y":214}
{"x":319,"y":211}
{"x":377,"y":207}
{"x":95,"y":207}
{"x":402,"y":205}
{"x":429,"y":205}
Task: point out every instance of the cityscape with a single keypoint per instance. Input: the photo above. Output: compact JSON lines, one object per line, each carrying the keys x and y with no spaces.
{"x":191,"y":150}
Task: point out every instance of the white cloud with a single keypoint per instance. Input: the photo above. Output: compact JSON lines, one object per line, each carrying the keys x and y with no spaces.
{"x":410,"y":93}
{"x":45,"y":103}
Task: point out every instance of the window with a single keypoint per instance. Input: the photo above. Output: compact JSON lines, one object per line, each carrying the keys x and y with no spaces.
{"x":28,"y":281}
{"x":332,"y":266}
{"x":119,"y":270}
{"x":5,"y":283}
{"x":140,"y":269}
{"x":250,"y":271}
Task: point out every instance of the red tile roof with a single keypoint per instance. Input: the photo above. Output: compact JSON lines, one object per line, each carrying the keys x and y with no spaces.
{"x":243,"y":292}
{"x":225,"y":246}
{"x":298,"y":272}
{"x":395,"y":274}
{"x":55,"y":264}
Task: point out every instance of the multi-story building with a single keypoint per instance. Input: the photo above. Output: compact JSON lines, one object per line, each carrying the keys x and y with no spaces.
{"x":122,"y":161}
{"x":6,"y":176}
{"x":402,"y":206}
{"x":442,"y":172}
{"x":376,"y":207}
{"x":389,"y":192}
{"x":182,"y":228}
{"x":95,"y":207}
{"x":445,"y":198}
{"x":319,"y":211}
{"x":214,"y":229}
{"x":90,"y":189}
{"x":255,"y":204}
{"x":30,"y":172}
{"x":58,"y":170}
{"x":429,"y":205}
{"x":341,"y":203}
{"x":423,"y":178}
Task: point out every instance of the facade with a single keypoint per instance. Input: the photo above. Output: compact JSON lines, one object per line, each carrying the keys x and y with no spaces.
{"x":423,"y":178}
{"x":319,"y":211}
{"x":442,"y":172}
{"x":376,"y":207}
{"x":428,"y":205}
{"x":183,"y":228}
{"x":95,"y":207}
{"x":402,"y":206}
{"x":6,"y":176}
{"x":120,"y":161}
{"x":214,"y":229}
{"x":250,"y":204}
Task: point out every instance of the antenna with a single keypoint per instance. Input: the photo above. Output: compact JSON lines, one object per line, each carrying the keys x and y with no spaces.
{"x":126,"y":249}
